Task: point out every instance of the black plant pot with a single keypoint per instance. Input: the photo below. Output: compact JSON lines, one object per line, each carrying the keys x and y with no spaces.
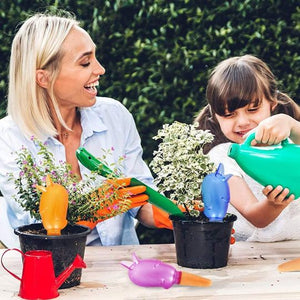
{"x":201,"y":244}
{"x":64,"y":247}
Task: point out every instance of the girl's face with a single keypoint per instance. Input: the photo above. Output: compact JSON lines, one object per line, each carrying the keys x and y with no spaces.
{"x":75,"y":85}
{"x":236,"y":124}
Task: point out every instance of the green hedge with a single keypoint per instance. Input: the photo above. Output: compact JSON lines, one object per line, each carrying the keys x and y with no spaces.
{"x":158,"y":53}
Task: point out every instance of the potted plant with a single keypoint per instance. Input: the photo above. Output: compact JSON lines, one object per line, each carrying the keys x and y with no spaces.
{"x":83,"y":201}
{"x":180,"y":167}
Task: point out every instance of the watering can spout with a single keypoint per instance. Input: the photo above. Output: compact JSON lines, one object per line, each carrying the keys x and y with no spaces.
{"x":77,"y":263}
{"x":234,"y":151}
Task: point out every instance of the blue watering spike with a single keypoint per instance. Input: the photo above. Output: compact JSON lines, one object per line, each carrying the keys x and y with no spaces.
{"x":216,"y":195}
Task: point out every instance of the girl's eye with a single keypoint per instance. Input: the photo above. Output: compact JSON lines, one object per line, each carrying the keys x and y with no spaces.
{"x":228,"y":115}
{"x":253,"y":108}
{"x":86,"y":65}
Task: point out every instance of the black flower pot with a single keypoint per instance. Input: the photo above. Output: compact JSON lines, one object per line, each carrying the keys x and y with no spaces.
{"x":64,"y":247}
{"x":201,"y":244}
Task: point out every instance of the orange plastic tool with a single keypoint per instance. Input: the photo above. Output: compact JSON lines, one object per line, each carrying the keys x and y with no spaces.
{"x":53,"y":206}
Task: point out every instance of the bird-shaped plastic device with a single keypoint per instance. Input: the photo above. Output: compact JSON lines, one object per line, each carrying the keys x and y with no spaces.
{"x":53,"y":206}
{"x":155,"y":273}
{"x":216,"y":194}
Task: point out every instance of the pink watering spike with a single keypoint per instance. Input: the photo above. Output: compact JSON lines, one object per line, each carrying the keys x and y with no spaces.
{"x":155,"y":273}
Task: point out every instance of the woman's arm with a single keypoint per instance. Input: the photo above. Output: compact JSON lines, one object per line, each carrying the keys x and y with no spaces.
{"x":145,"y":215}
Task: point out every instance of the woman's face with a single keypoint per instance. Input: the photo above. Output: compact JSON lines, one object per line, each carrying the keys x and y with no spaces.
{"x":75,"y":85}
{"x":236,"y":124}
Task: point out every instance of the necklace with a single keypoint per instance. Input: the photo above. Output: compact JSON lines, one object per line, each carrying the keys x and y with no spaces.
{"x":65,"y":135}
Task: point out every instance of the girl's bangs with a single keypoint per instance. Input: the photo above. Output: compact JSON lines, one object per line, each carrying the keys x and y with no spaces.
{"x":235,"y":93}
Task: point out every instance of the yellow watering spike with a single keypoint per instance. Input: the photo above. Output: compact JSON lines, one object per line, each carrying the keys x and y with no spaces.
{"x":53,"y":206}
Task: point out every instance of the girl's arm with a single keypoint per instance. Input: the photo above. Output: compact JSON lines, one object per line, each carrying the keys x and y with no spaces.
{"x":277,"y":128}
{"x":259,"y":213}
{"x":295,"y":132}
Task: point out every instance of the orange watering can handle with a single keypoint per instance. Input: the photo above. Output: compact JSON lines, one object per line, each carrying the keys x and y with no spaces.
{"x":11,"y":273}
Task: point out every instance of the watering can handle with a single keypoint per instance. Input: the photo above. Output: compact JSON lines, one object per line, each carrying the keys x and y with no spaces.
{"x":11,"y":273}
{"x":251,"y":137}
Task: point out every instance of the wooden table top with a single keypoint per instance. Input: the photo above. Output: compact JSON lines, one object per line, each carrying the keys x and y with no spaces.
{"x":251,"y":273}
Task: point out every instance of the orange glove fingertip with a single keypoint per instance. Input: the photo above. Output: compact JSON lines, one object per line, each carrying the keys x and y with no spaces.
{"x":161,"y":218}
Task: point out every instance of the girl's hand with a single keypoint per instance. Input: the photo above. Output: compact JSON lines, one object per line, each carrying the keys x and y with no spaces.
{"x":278,"y":195}
{"x":273,"y":130}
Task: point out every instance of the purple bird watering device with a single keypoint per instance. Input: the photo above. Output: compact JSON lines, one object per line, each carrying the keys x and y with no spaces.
{"x":155,"y":273}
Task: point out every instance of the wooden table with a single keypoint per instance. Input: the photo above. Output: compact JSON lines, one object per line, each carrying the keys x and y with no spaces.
{"x":251,"y":274}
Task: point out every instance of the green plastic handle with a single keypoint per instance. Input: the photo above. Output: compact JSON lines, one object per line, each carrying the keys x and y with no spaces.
{"x":158,"y":199}
{"x":92,"y":163}
{"x":251,"y":137}
{"x":155,"y":198}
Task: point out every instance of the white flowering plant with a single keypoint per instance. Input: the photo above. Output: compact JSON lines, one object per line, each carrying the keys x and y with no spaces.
{"x":180,"y":164}
{"x":83,"y":197}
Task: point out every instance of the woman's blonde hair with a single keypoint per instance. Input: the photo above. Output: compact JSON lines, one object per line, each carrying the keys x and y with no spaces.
{"x":37,"y":45}
{"x":237,"y":82}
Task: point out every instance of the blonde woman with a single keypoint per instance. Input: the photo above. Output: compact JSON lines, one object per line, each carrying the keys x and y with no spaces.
{"x":53,"y":80}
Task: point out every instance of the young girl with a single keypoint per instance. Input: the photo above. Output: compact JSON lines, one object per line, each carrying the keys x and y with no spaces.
{"x":242,"y":96}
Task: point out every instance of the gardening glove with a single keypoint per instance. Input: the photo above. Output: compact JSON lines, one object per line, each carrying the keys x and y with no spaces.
{"x":161,"y":218}
{"x":135,"y":196}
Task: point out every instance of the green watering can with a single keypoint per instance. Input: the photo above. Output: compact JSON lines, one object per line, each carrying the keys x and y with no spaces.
{"x":155,"y":198}
{"x":270,"y":165}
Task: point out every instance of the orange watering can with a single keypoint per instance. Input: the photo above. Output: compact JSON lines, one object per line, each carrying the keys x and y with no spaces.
{"x":38,"y":279}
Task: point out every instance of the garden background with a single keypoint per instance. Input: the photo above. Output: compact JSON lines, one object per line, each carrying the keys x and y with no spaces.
{"x":158,"y":54}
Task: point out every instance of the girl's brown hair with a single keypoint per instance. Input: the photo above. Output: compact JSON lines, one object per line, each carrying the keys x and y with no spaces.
{"x":235,"y":83}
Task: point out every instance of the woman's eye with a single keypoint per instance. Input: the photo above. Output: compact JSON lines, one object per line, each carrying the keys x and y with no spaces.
{"x":86,"y":65}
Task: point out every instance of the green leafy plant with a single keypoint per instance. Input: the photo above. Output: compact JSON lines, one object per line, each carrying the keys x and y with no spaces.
{"x":84,"y":198}
{"x":181,"y":165}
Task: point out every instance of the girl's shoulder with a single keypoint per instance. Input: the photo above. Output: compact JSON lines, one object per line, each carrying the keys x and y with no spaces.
{"x":219,"y":150}
{"x":219,"y":154}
